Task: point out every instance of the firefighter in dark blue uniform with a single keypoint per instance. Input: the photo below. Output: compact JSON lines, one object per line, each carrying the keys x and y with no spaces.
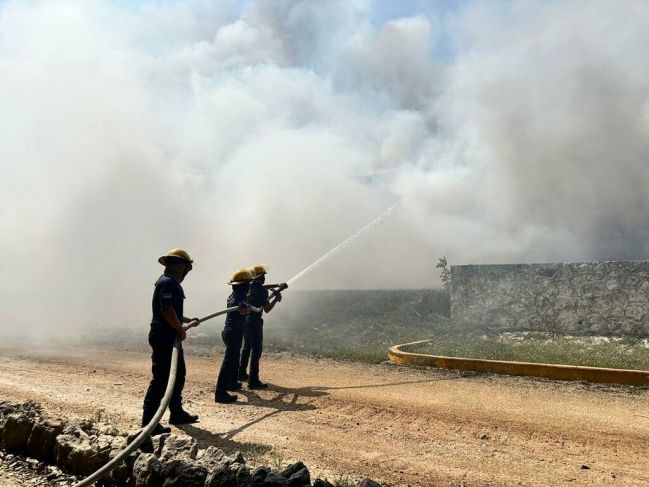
{"x":166,"y":326}
{"x":253,"y":337}
{"x":232,"y":335}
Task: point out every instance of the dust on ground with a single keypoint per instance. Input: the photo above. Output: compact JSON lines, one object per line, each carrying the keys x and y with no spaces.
{"x":401,"y":426}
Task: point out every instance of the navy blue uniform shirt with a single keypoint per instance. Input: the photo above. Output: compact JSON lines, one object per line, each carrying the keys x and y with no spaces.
{"x":257,"y":297}
{"x":167,"y":291}
{"x":238,"y":298}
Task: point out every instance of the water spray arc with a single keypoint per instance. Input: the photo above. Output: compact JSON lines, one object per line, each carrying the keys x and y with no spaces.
{"x":146,"y":431}
{"x":343,"y":244}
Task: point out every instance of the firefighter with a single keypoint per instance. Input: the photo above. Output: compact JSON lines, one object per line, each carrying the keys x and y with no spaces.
{"x":232,"y":335}
{"x":166,"y":326}
{"x":254,"y":327}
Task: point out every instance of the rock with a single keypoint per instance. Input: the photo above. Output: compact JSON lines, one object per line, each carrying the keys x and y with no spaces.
{"x":221,"y":476}
{"x":77,"y":426}
{"x":178,"y":446}
{"x":42,"y":439}
{"x":149,"y":445}
{"x":158,"y":442}
{"x":235,"y":458}
{"x":273,"y":479}
{"x":243,"y":476}
{"x":17,"y":429}
{"x":210,"y":458}
{"x":81,"y":454}
{"x":258,"y":476}
{"x":297,"y":475}
{"x":122,"y":474}
{"x":322,"y":483}
{"x":369,"y":483}
{"x":183,"y":472}
{"x":106,"y":429}
{"x":147,"y":471}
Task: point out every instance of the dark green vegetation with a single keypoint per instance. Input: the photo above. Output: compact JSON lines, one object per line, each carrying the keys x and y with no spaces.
{"x":355,"y":325}
{"x":362,"y":325}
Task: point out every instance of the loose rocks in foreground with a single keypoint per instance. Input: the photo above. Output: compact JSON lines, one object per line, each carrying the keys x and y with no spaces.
{"x":81,"y":447}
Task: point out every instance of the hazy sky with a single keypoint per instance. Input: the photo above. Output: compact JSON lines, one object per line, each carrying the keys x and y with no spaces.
{"x":268,"y":131}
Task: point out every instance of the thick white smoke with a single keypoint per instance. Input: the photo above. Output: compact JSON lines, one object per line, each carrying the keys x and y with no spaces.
{"x":269,"y":132}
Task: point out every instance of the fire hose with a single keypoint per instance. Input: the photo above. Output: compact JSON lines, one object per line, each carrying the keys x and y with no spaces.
{"x":146,"y":431}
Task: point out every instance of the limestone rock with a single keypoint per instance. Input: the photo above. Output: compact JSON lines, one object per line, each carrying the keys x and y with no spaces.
{"x":178,"y":446}
{"x":147,"y":471}
{"x":122,"y":474}
{"x":258,"y":476}
{"x":273,"y":479}
{"x":368,"y":483}
{"x":221,"y":476}
{"x":42,"y":439}
{"x":297,"y":475}
{"x":243,"y":476}
{"x":235,"y":458}
{"x":210,"y":458}
{"x":82,"y":454}
{"x":183,"y":472}
{"x":17,"y":429}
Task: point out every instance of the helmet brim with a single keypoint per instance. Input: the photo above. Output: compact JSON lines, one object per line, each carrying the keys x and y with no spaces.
{"x":165,"y":260}
{"x":234,"y":283}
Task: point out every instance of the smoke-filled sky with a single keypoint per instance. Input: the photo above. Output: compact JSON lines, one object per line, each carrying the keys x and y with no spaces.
{"x":268,"y":131}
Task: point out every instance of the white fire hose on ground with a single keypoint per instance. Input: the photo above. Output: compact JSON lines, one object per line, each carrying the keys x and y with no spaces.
{"x":146,"y":431}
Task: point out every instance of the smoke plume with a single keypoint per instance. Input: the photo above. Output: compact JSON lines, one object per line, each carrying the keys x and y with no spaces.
{"x":269,"y":131}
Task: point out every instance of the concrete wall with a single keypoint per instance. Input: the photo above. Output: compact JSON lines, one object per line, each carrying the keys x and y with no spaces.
{"x":603,"y":298}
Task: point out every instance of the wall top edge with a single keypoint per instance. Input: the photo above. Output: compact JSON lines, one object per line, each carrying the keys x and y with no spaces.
{"x":547,"y":264}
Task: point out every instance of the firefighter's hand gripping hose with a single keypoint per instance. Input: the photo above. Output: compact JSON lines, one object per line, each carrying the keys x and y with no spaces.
{"x":146,"y":431}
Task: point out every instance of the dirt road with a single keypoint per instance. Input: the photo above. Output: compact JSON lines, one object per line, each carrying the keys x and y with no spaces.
{"x":397,"y":425}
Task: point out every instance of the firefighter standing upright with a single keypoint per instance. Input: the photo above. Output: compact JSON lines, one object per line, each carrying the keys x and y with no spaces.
{"x":166,"y":326}
{"x":232,"y":335}
{"x":254,"y":327}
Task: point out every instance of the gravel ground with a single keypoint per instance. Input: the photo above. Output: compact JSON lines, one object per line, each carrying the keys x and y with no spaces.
{"x":400,"y":426}
{"x":18,"y":471}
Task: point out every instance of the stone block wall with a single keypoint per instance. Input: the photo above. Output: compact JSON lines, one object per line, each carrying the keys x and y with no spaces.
{"x":593,"y":298}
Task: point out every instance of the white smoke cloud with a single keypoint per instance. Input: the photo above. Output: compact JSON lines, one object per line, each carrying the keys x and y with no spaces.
{"x":270,"y":132}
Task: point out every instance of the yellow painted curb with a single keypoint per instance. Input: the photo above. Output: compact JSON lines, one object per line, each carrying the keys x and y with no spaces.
{"x":550,"y":371}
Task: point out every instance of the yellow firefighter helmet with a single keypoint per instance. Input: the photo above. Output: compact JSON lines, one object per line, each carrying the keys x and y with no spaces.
{"x":242,"y":276}
{"x":176,"y":254}
{"x":259,"y":270}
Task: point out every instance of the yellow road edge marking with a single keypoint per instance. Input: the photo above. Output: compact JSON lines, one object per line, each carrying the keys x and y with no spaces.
{"x":531,"y":369}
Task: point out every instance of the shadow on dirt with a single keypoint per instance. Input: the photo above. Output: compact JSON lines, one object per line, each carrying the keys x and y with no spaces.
{"x":224,"y":441}
{"x":283,"y":399}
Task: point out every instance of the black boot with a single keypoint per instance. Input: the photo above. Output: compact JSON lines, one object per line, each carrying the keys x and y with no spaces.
{"x":182,"y":417}
{"x":160,"y":430}
{"x":224,"y":397}
{"x":235,"y":387}
{"x":256,"y":384}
